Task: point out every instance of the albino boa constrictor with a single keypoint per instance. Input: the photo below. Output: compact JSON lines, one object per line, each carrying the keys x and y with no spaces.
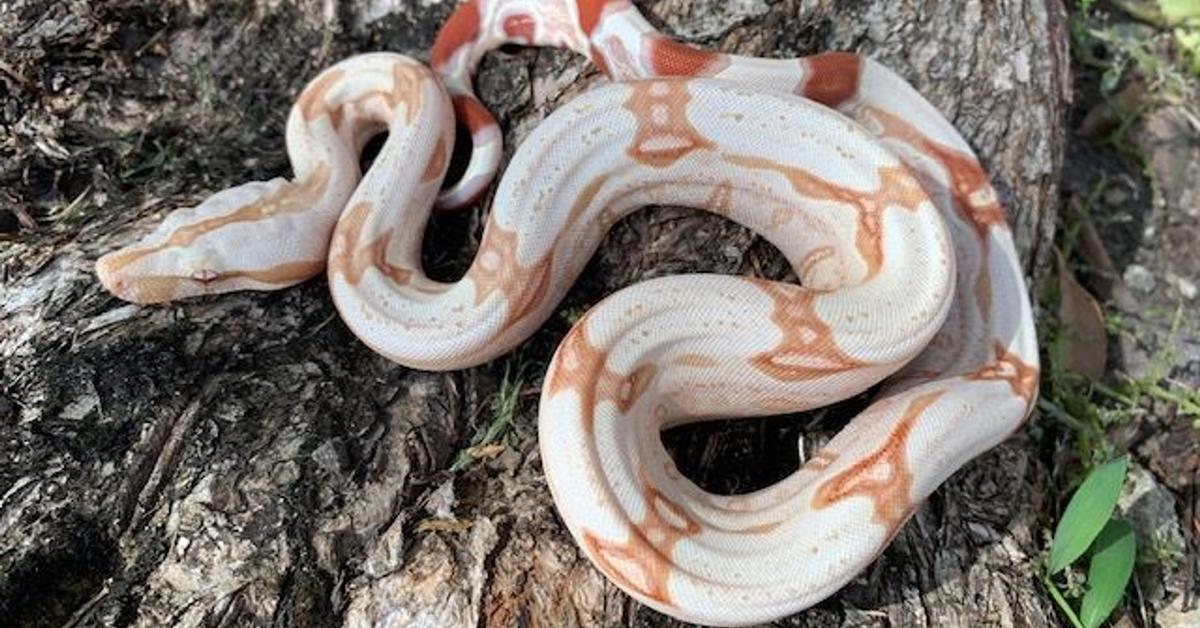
{"x":907,"y":265}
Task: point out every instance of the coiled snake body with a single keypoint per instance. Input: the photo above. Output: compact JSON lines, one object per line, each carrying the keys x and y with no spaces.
{"x":907,"y":266}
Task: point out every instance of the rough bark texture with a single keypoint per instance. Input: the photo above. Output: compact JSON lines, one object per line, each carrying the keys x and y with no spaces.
{"x":243,"y":460}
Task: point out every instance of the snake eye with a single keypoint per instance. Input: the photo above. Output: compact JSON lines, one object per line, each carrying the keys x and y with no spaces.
{"x":206,"y":276}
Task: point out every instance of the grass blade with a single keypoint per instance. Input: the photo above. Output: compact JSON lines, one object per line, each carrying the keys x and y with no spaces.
{"x":1087,"y":513}
{"x":1112,"y":565}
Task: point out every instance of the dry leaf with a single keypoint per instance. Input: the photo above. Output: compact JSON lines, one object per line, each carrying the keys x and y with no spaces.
{"x":1085,"y":346}
{"x":1103,"y":272}
{"x":486,"y":452}
{"x":1107,"y":115}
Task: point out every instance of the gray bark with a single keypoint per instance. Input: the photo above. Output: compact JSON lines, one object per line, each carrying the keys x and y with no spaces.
{"x":243,"y":460}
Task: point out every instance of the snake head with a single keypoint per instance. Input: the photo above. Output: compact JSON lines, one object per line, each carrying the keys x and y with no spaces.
{"x":148,"y":273}
{"x":256,"y":236}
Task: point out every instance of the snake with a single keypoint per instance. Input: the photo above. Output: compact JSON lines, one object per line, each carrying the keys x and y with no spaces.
{"x":910,"y":284}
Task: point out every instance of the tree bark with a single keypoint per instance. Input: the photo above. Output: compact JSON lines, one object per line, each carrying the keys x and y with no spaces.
{"x":243,"y":460}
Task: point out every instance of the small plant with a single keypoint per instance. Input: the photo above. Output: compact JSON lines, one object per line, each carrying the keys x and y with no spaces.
{"x":1183,"y":16}
{"x":1163,"y":549}
{"x":1088,"y":526}
{"x":75,"y":211}
{"x":488,"y":444}
{"x":1157,"y":383}
{"x":572,"y":314}
{"x":150,"y":164}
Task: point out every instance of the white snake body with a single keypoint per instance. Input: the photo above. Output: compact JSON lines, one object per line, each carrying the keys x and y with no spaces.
{"x":907,"y":265}
{"x":274,"y":234}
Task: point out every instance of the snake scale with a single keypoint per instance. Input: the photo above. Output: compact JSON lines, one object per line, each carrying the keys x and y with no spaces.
{"x":908,"y":273}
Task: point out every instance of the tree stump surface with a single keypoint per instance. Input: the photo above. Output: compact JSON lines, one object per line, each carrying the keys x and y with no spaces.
{"x":243,"y":460}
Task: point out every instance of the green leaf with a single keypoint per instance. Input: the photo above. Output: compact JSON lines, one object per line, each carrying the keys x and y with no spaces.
{"x":1111,"y":78}
{"x":1112,"y":565}
{"x":1087,"y":513}
{"x":1188,"y":40}
{"x":1177,"y":11}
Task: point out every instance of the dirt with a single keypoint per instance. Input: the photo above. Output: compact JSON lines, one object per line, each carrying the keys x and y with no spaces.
{"x":1138,"y":181}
